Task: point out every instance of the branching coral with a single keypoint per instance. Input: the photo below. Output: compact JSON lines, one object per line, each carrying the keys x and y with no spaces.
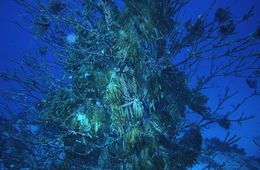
{"x":125,"y":92}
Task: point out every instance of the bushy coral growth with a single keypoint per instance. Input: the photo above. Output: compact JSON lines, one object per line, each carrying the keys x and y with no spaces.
{"x":125,"y":89}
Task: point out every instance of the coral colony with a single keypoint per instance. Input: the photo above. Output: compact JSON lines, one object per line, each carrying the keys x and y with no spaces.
{"x":130,"y":75}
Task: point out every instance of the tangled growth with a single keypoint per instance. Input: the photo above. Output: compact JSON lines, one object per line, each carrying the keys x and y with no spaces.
{"x":125,"y":89}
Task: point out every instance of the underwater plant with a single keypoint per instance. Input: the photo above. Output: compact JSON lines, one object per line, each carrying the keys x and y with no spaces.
{"x":125,"y":89}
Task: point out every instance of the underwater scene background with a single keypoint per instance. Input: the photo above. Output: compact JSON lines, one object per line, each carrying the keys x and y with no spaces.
{"x":129,"y":84}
